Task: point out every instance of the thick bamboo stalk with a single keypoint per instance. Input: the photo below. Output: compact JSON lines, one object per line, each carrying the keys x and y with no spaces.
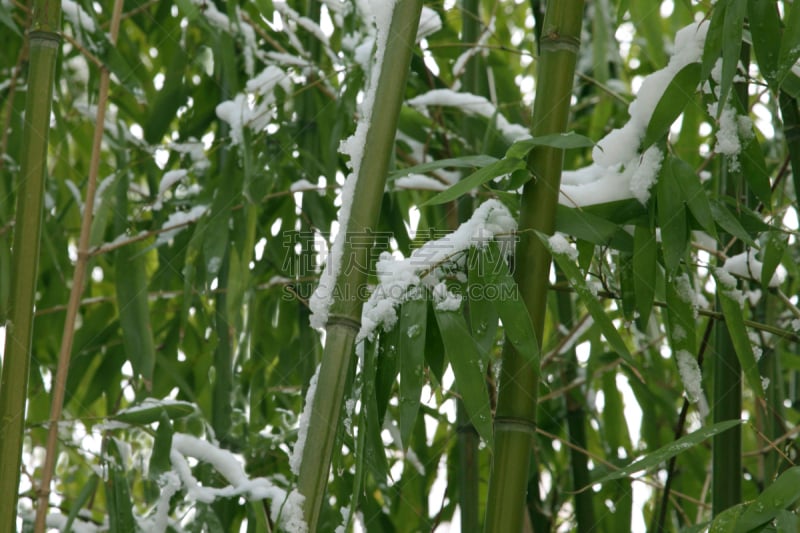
{"x":44,"y":47}
{"x":515,"y":422}
{"x":345,"y":313}
{"x":78,"y":279}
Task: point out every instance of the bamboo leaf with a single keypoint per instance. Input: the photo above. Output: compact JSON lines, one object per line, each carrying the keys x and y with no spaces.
{"x":592,"y":228}
{"x":150,"y":411}
{"x":564,"y":141}
{"x":765,"y":25}
{"x":790,"y":43}
{"x":467,"y":362}
{"x":671,"y":216}
{"x":731,"y":47}
{"x":118,"y":496}
{"x":727,"y":221}
{"x":725,"y":522}
{"x":670,"y":450}
{"x":162,"y":446}
{"x":592,"y":303}
{"x":505,"y":296}
{"x":467,"y":161}
{"x":772,"y":253}
{"x":134,"y":311}
{"x":680,"y":317}
{"x":411,"y":359}
{"x":679,"y":92}
{"x":732,"y":311}
{"x":754,"y":168}
{"x":482,"y":314}
{"x":87,"y":492}
{"x":644,"y":271}
{"x":693,"y":194}
{"x":476,"y":179}
{"x":781,"y":494}
{"x":7,"y":21}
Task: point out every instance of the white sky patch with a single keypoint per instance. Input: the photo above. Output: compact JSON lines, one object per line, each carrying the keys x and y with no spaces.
{"x":398,"y":278}
{"x":471,"y":104}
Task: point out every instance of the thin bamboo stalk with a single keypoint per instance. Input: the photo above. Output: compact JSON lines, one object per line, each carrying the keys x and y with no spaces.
{"x":44,"y":42}
{"x":345,"y":313}
{"x":78,"y":279}
{"x":515,"y":422}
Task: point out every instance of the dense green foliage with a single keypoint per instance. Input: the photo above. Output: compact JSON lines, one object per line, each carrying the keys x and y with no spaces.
{"x":200,"y":283}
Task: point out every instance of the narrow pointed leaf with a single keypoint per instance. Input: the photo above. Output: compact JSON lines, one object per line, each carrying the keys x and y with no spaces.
{"x":732,"y":311}
{"x":467,"y":362}
{"x":679,"y":92}
{"x":754,"y":168}
{"x":564,"y":141}
{"x":411,"y":359}
{"x":670,"y":450}
{"x":780,"y":495}
{"x":644,"y":270}
{"x":765,"y":25}
{"x":476,"y":179}
{"x":694,"y":194}
{"x":772,"y":254}
{"x":790,"y":43}
{"x":727,"y":221}
{"x":162,"y":446}
{"x":468,"y":161}
{"x":134,"y":310}
{"x":118,"y":495}
{"x":671,"y":216}
{"x":725,"y":522}
{"x":731,"y":46}
{"x":482,"y":314}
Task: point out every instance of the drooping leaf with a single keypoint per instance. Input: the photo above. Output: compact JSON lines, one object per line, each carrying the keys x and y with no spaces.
{"x":778,"y":496}
{"x":790,"y":43}
{"x":694,"y":195}
{"x":467,"y":161}
{"x":731,"y":47}
{"x":725,"y":522}
{"x":732,"y":311}
{"x":468,"y":366}
{"x":150,"y":412}
{"x":411,"y":359}
{"x":118,"y":495}
{"x":671,"y":216}
{"x":679,"y":92}
{"x":476,"y":179}
{"x":754,"y":169}
{"x":670,"y":450}
{"x":162,"y":446}
{"x":727,"y":221}
{"x":765,"y":25}
{"x":644,"y":271}
{"x":482,"y":314}
{"x":134,"y":312}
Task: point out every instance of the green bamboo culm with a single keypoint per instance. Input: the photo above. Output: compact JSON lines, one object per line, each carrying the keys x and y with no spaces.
{"x":726,"y":447}
{"x":44,"y":45}
{"x":515,"y":421}
{"x":345,"y":313}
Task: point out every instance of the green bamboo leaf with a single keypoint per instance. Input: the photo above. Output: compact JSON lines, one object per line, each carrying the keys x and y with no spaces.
{"x":765,"y":25}
{"x":772,"y":254}
{"x":786,"y":521}
{"x":644,"y":271}
{"x":671,"y":216}
{"x":7,"y":21}
{"x":134,"y":310}
{"x":87,"y":492}
{"x":725,"y":522}
{"x":504,"y":294}
{"x":780,"y":495}
{"x":482,"y":314}
{"x":679,"y":92}
{"x":731,"y":47}
{"x":434,"y":346}
{"x":648,"y":23}
{"x":727,"y":221}
{"x":754,"y":168}
{"x":592,"y":303}
{"x":592,"y":228}
{"x":732,"y":311}
{"x":411,"y":359}
{"x":693,"y":194}
{"x":714,"y":39}
{"x":680,"y":316}
{"x":118,"y":495}
{"x":162,"y":446}
{"x":565,"y":141}
{"x":468,"y":161}
{"x":467,"y":362}
{"x":626,"y":284}
{"x":153,"y":410}
{"x":374,"y":452}
{"x":669,"y":451}
{"x":476,"y":179}
{"x":790,"y":43}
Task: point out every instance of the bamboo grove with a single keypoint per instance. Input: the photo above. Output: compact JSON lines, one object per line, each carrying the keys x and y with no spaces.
{"x":322,"y":265}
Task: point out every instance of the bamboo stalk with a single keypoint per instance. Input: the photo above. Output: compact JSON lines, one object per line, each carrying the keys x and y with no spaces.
{"x":345,"y":313}
{"x":726,"y":447}
{"x":78,"y":279}
{"x":44,"y":42}
{"x":515,"y":422}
